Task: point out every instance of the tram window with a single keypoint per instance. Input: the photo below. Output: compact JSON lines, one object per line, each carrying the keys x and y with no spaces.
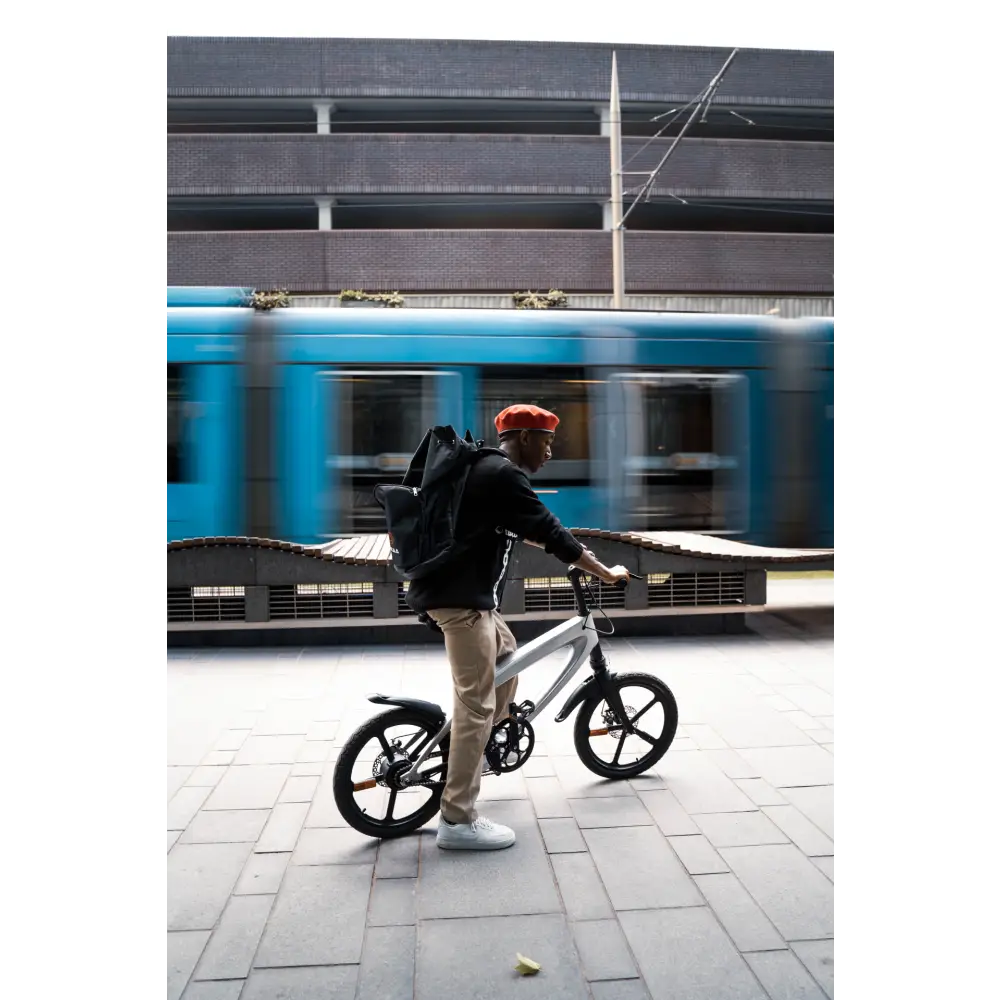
{"x":386,"y":412}
{"x":175,"y":425}
{"x":566,"y":395}
{"x":684,"y":466}
{"x":679,"y":419}
{"x":382,"y":418}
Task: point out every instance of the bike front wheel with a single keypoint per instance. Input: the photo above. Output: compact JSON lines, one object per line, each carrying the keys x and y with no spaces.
{"x":601,"y":740}
{"x":365,"y":780}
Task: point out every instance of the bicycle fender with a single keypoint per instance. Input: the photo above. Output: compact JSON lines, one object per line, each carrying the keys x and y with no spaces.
{"x":427,"y":708}
{"x":588,"y":687}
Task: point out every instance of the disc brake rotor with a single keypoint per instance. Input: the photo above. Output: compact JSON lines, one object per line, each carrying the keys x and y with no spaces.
{"x":609,"y":720}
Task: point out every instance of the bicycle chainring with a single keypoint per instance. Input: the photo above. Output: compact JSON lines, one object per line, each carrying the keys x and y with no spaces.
{"x":511,"y":742}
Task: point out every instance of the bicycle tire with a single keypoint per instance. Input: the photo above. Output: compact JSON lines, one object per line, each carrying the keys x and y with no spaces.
{"x":581,"y":728}
{"x":343,"y":780}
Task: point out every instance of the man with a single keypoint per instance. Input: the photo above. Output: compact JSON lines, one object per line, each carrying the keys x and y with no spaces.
{"x":498,"y":508}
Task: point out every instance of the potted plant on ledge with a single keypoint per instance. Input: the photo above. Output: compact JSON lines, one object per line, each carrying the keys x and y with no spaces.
{"x":553,"y":299}
{"x":389,"y":300}
{"x":265,"y":301}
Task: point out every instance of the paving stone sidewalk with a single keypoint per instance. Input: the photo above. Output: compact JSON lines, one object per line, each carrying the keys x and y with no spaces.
{"x":709,"y":877}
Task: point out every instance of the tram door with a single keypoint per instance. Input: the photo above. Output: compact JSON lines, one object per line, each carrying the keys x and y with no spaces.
{"x":380,"y":416}
{"x":683,"y":448}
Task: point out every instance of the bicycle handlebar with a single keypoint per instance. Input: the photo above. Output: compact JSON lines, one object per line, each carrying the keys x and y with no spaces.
{"x":575,"y":575}
{"x":619,"y":585}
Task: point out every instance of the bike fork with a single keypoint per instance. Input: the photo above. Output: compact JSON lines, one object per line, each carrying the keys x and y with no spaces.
{"x":609,"y":690}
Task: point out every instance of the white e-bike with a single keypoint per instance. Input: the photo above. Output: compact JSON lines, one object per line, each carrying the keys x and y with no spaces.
{"x":390,"y":775}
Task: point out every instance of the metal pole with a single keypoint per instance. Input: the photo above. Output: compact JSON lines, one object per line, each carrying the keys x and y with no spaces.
{"x":714,"y":85}
{"x":617,"y":230}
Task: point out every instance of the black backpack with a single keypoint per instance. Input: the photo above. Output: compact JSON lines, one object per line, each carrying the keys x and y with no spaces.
{"x":421,"y":514}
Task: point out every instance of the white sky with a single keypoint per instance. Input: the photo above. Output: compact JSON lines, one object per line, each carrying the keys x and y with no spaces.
{"x":774,"y":24}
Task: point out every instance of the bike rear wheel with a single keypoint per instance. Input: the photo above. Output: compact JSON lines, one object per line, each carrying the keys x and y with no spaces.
{"x":366,"y":788}
{"x":602,"y":743}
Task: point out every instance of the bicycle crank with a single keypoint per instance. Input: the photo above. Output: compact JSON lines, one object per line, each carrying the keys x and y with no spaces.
{"x":512,"y":740}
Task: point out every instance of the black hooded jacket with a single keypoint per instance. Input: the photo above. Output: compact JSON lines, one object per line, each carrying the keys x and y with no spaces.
{"x":498,"y":509}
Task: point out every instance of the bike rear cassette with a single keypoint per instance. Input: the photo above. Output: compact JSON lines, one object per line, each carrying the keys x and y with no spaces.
{"x":512,"y":740}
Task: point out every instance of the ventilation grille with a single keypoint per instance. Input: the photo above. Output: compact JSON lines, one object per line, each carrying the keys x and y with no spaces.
{"x":206,"y":604}
{"x":556,"y":594}
{"x":675,"y":590}
{"x":322,"y":600}
{"x":402,"y":608}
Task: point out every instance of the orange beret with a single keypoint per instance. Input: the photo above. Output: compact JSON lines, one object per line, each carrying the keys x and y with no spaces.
{"x":524,"y":417}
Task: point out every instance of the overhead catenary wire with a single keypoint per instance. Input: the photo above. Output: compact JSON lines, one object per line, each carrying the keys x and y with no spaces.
{"x":645,"y":145}
{"x":707,"y":95}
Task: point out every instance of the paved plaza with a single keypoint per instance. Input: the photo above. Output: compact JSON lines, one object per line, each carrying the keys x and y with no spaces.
{"x":709,"y":877}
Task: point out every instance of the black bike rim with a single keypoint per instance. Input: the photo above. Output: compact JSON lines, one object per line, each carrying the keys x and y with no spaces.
{"x":648,"y":712}
{"x":377,"y":799}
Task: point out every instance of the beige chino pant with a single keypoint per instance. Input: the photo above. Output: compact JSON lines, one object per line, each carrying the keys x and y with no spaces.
{"x":473,"y":640}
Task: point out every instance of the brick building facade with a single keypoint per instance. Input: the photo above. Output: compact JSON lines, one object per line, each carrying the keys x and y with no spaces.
{"x":463,"y":168}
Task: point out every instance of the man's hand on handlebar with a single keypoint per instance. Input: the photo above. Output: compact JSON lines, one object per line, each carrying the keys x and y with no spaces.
{"x":615,"y":576}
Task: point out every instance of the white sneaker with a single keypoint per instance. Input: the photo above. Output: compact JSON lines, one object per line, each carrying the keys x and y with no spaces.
{"x":479,"y":835}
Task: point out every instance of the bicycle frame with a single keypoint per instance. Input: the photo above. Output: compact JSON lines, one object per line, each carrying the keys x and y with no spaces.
{"x":578,"y":635}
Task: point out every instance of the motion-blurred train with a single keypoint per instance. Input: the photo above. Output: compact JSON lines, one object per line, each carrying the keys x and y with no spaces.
{"x":281,"y":422}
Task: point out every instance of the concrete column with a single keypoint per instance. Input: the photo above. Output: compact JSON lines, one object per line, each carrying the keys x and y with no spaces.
{"x":385,"y":600}
{"x":323,"y":109}
{"x":257,"y":604}
{"x":637,"y":596}
{"x":325,"y":206}
{"x":756,"y":587}
{"x":605,"y":113}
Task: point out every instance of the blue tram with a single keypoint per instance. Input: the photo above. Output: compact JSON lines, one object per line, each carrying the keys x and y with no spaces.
{"x":280,"y":423}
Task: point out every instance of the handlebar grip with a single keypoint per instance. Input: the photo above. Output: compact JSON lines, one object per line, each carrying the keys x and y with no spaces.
{"x":621,"y":585}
